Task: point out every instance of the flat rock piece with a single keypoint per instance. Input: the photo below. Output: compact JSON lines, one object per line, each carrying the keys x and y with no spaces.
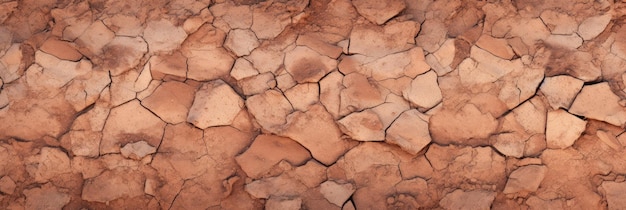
{"x":61,"y":49}
{"x":432,"y":34}
{"x":10,"y":69}
{"x":599,"y":102}
{"x":424,"y":91}
{"x":578,"y":64}
{"x":593,"y":26}
{"x":171,"y":101}
{"x":363,"y":126}
{"x":56,"y":72}
{"x":50,"y":163}
{"x":257,"y":84}
{"x":497,"y":47}
{"x":378,"y":41}
{"x":95,"y":37}
{"x":275,"y":187}
{"x":465,"y":126}
{"x":137,"y":150}
{"x":311,"y":174}
{"x":521,"y":132}
{"x":563,"y":129}
{"x":316,"y":130}
{"x":174,"y":64}
{"x":241,"y":41}
{"x":609,"y":139}
{"x":379,"y":11}
{"x":123,"y":54}
{"x":306,"y":65}
{"x":441,"y":59}
{"x":125,"y":24}
{"x":112,"y":185}
{"x":319,"y":45}
{"x":283,"y":204}
{"x":572,"y":41}
{"x":359,"y":94}
{"x":303,"y":95}
{"x":337,"y":193}
{"x":470,"y":200}
{"x":615,"y":194}
{"x":262,"y":155}
{"x":85,"y":143}
{"x":330,"y":90}
{"x":215,"y":104}
{"x":367,"y":156}
{"x":530,"y":30}
{"x":410,"y":131}
{"x":236,"y":16}
{"x":46,"y":197}
{"x":538,"y":203}
{"x":208,"y":64}
{"x":243,"y":69}
{"x":561,"y":90}
{"x":397,"y":65}
{"x":7,"y":185}
{"x":129,"y":123}
{"x":163,"y":36}
{"x":31,"y":117}
{"x":558,"y":22}
{"x":392,"y":108}
{"x":525,"y":179}
{"x":454,"y":164}
{"x":270,"y":109}
{"x":268,"y":24}
{"x":484,"y":67}
{"x":184,"y":152}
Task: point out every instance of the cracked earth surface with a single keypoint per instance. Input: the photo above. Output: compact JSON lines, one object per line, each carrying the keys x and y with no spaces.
{"x":312,"y":104}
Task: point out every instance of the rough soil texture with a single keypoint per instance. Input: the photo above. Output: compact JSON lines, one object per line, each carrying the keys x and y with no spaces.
{"x":312,"y":104}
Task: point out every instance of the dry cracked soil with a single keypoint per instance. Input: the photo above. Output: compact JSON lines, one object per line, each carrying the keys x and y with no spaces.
{"x":312,"y":104}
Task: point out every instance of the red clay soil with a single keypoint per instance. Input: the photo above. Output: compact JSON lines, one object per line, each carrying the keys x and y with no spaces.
{"x":312,"y":104}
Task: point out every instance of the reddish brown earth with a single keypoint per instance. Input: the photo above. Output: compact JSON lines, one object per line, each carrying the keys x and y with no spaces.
{"x":312,"y":104}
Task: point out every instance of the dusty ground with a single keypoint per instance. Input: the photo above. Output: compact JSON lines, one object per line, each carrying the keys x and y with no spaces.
{"x":320,"y":104}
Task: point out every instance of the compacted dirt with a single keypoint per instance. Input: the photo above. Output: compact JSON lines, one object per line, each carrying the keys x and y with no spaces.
{"x":312,"y":104}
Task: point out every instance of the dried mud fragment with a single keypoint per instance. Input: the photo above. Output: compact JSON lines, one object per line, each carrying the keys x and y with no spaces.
{"x":593,"y":26}
{"x":316,"y":130}
{"x":360,"y":93}
{"x":241,"y":41}
{"x":561,"y":90}
{"x":163,"y":36}
{"x":306,"y":65}
{"x":563,"y":129}
{"x":114,"y":184}
{"x":467,"y":126}
{"x":46,"y":197}
{"x":525,"y":179}
{"x":95,"y":37}
{"x":424,"y":91}
{"x":257,"y":160}
{"x":130,"y":123}
{"x":171,"y":101}
{"x":409,"y":131}
{"x":275,"y":116}
{"x":614,"y":194}
{"x":379,"y":11}
{"x":377,"y":41}
{"x":123,"y":54}
{"x":61,"y":49}
{"x":460,"y":199}
{"x":215,"y":104}
{"x":363,"y":126}
{"x":599,"y":102}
